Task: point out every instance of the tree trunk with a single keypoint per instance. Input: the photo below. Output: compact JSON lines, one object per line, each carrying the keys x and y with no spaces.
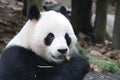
{"x":116,"y":30}
{"x":100,"y":21}
{"x":28,"y":3}
{"x":81,"y":16}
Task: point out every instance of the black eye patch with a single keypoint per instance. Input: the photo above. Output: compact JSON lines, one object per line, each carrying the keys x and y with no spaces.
{"x":68,"y":39}
{"x":49,"y":38}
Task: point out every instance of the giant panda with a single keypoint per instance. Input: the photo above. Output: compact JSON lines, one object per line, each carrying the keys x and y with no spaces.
{"x":39,"y":51}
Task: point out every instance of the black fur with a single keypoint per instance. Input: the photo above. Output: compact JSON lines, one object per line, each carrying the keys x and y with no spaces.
{"x":64,"y":11}
{"x":33,"y":13}
{"x":49,"y":38}
{"x":18,"y":63}
{"x":68,"y":39}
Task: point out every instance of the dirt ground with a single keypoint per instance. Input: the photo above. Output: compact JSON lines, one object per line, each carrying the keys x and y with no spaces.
{"x":11,"y":21}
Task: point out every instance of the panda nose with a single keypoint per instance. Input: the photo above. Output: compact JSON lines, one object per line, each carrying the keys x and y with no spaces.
{"x":62,"y":51}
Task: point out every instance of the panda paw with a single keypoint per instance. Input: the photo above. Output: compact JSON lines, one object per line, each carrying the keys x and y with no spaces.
{"x":80,"y":63}
{"x":77,"y":67}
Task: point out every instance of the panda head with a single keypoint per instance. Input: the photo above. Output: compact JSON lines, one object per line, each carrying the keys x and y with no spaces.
{"x":48,"y":34}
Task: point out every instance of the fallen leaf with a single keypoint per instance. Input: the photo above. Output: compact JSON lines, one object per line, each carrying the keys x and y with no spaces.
{"x":95,"y":53}
{"x":104,"y":50}
{"x":95,"y":68}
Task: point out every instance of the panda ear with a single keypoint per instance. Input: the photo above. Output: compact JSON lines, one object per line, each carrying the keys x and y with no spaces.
{"x":33,"y":13}
{"x":63,"y":10}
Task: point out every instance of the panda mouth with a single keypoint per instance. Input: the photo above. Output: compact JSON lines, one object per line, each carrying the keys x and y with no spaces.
{"x":61,"y":57}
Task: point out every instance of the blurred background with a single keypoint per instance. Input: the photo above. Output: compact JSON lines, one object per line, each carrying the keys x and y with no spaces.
{"x":96,"y":24}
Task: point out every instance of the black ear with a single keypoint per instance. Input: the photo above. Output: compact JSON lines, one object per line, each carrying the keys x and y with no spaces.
{"x":63,"y":10}
{"x":33,"y":13}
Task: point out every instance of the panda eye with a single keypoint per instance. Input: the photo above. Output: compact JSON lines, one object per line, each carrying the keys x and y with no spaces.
{"x":68,"y":39}
{"x":49,"y":38}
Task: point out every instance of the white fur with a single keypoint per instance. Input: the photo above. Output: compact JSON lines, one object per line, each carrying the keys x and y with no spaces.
{"x":33,"y":33}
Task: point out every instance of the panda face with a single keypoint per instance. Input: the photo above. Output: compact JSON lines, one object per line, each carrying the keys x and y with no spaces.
{"x":53,"y":37}
{"x":57,"y":46}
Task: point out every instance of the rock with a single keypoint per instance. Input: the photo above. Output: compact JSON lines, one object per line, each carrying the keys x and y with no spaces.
{"x":98,"y":76}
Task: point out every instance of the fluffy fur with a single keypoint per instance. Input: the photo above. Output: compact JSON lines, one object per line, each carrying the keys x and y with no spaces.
{"x":33,"y":33}
{"x":18,"y":63}
{"x":31,"y":48}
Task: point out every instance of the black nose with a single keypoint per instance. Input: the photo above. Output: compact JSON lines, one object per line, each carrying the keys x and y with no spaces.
{"x":62,"y":51}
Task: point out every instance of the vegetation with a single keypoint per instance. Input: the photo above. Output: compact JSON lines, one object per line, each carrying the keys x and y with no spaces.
{"x":105,"y":65}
